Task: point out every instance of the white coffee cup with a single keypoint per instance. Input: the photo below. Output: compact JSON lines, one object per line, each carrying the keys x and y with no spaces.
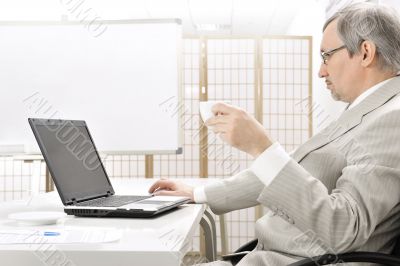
{"x":206,"y":109}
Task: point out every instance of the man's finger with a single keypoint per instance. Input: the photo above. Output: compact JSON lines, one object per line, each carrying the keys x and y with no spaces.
{"x":154,"y":187}
{"x":160,"y":184}
{"x":219,"y":128}
{"x":166,"y":193}
{"x":222,"y":108}
{"x":221,"y":119}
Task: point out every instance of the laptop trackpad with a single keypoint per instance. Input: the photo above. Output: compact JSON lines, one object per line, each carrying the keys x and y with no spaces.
{"x":156,"y":202}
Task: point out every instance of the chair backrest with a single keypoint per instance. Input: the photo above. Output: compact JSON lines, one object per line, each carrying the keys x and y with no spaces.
{"x":396,"y":250}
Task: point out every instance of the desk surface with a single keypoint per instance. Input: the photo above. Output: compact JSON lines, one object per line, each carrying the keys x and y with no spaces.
{"x":156,"y":241}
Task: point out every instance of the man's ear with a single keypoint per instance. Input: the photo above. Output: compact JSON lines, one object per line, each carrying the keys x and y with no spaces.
{"x":368,"y":53}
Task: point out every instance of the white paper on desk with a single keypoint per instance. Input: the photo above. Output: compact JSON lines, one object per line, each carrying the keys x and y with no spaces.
{"x":66,"y":236}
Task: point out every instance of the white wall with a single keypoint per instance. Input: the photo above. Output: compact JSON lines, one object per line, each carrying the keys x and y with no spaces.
{"x":309,"y":21}
{"x":392,"y":3}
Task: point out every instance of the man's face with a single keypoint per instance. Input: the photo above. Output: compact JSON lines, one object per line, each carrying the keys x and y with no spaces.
{"x":340,"y":71}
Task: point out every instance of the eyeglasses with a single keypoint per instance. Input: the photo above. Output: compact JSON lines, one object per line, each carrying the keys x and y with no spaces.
{"x":325,"y":55}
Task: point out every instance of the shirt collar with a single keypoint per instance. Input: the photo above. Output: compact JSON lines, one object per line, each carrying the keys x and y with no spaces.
{"x":366,"y":93}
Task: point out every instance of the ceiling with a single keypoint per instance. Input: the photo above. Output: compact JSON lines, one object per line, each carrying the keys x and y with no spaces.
{"x":227,"y":17}
{"x":230,"y":17}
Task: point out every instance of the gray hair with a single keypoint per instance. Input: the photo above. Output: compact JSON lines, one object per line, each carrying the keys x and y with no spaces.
{"x":376,"y":23}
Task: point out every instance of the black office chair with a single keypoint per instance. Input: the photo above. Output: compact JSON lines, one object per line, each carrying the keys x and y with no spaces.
{"x":241,"y":252}
{"x":327,"y":259}
{"x":371,"y":257}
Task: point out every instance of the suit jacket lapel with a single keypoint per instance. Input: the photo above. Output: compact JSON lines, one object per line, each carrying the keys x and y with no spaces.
{"x":349,"y":119}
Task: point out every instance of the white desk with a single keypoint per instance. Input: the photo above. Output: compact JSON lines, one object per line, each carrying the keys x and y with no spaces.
{"x":156,"y":241}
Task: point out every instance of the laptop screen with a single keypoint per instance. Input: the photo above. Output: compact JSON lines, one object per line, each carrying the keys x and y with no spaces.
{"x":72,"y":159}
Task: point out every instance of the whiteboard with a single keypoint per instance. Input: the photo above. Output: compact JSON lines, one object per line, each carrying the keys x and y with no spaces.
{"x":124,"y":83}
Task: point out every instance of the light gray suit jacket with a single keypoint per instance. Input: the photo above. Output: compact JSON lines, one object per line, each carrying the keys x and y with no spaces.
{"x":340,"y":191}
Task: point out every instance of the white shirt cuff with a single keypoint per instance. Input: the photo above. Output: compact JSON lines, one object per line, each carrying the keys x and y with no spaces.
{"x":268,"y":165}
{"x":199,"y":195}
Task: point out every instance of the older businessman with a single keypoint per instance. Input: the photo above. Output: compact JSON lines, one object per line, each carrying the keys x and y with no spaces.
{"x":339,"y":191}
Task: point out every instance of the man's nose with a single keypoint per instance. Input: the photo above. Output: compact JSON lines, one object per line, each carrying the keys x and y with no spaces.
{"x":322,"y":73}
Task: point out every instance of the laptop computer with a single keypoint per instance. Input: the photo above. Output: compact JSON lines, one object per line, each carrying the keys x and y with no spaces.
{"x":80,"y":177}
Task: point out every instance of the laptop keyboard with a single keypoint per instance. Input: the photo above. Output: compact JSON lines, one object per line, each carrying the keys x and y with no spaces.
{"x":113,"y":201}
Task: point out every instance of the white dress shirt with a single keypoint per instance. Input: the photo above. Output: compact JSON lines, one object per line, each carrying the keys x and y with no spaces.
{"x":268,"y":164}
{"x":366,"y":93}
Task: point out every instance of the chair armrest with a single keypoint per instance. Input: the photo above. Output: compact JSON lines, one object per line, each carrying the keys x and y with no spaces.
{"x":235,"y":257}
{"x":371,"y":257}
{"x":249,"y":246}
